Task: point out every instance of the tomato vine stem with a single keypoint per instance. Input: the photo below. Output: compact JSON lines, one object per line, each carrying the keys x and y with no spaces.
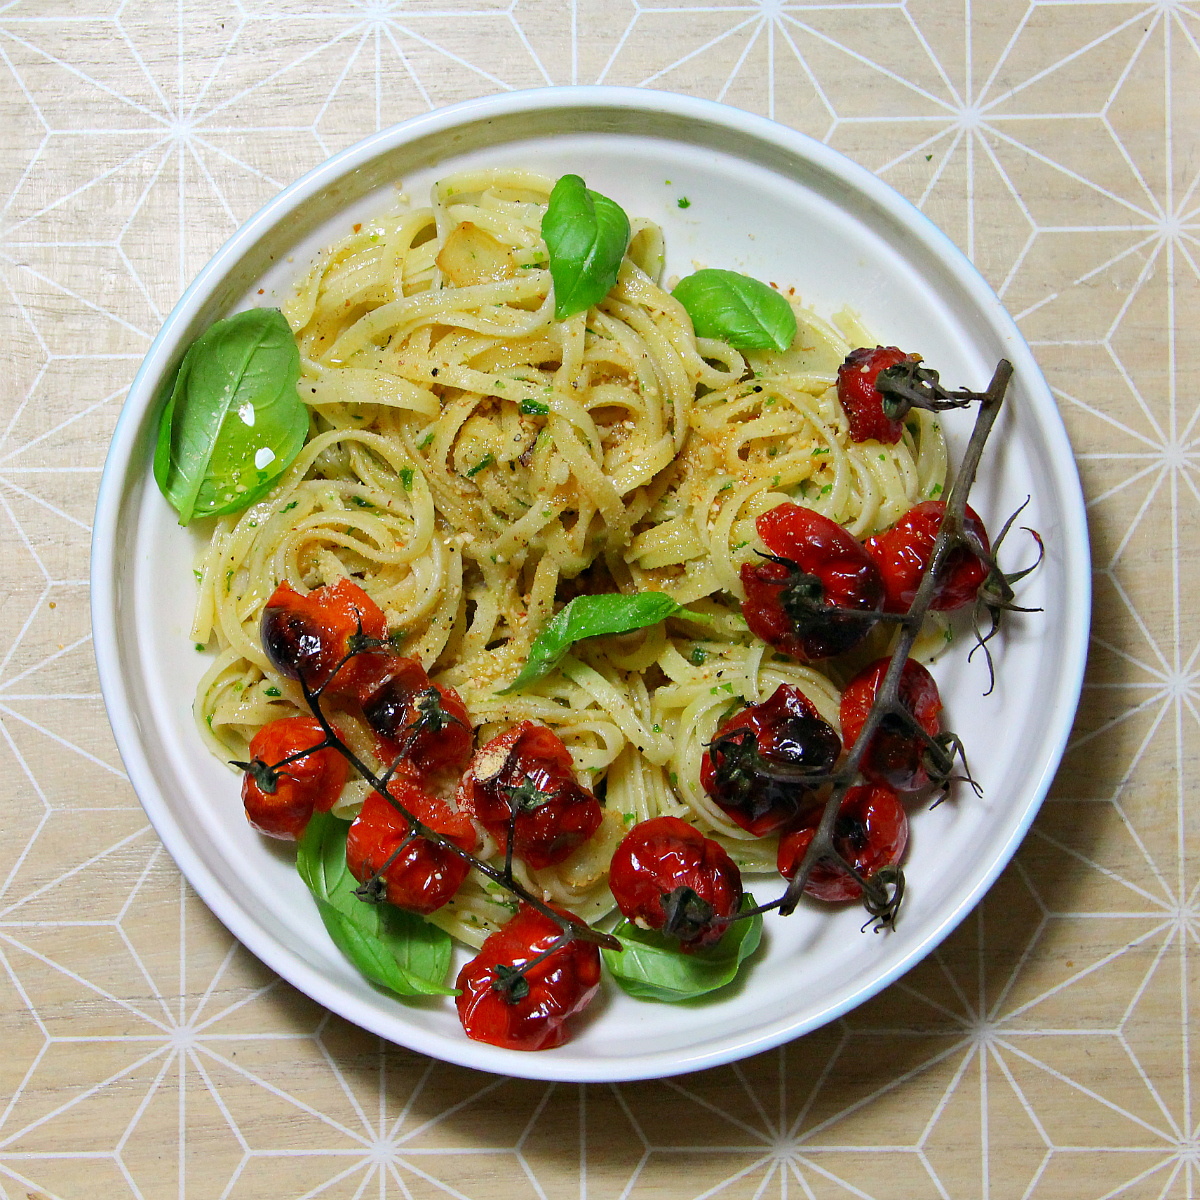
{"x":951,"y":533}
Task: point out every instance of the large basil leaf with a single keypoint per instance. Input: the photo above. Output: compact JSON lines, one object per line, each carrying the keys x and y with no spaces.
{"x":234,"y":421}
{"x":651,"y":966}
{"x":737,"y":309}
{"x":396,"y":949}
{"x":590,"y":616}
{"x":586,"y":234}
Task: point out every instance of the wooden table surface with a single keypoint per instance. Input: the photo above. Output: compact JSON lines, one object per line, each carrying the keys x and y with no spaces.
{"x":1044,"y":1051}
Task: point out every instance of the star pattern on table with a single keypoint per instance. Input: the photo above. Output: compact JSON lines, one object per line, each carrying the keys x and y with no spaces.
{"x":135,"y":1064}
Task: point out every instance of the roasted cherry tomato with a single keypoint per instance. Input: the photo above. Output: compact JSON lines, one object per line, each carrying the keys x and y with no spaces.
{"x":903,"y":553}
{"x":667,"y":875}
{"x":897,"y":755}
{"x":869,"y":832}
{"x":530,"y":1013}
{"x":425,"y":723}
{"x":423,"y":875}
{"x":814,"y":565}
{"x":860,"y":397}
{"x":760,"y":764}
{"x":309,"y":635}
{"x":528,"y":770}
{"x":281,"y":795}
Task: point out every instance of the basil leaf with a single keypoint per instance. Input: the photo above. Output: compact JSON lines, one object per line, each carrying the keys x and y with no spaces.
{"x":396,"y":949}
{"x":737,"y":309}
{"x":233,"y":423}
{"x":651,"y":966}
{"x":586,"y":234}
{"x":590,"y":616}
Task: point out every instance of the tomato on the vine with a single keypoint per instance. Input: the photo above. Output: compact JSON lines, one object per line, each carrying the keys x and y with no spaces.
{"x":761,"y":763}
{"x":869,"y":832}
{"x":859,"y":393}
{"x":308,"y":635}
{"x":280,"y":791}
{"x":898,"y":756}
{"x":667,"y":875}
{"x":904,"y":551}
{"x":817,"y":592}
{"x":527,"y":771}
{"x":528,"y":1012}
{"x":424,"y":722}
{"x":413,"y":872}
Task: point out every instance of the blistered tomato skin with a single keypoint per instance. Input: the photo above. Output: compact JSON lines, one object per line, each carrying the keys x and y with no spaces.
{"x":870,"y":832}
{"x":658,"y":857}
{"x":423,"y":875}
{"x":310,"y":634}
{"x":858,"y":391}
{"x":279,"y":803}
{"x":785,"y":735}
{"x":904,"y":551}
{"x":560,"y":986}
{"x":529,"y":768}
{"x":816,"y":566}
{"x":424,"y":722}
{"x":896,"y":756}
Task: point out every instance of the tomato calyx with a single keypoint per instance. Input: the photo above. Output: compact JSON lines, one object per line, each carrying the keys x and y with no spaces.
{"x":526,"y":796}
{"x":908,"y":385}
{"x":741,"y":768}
{"x":373,"y":889}
{"x":510,"y":982}
{"x":802,"y":598}
{"x":688,"y":915}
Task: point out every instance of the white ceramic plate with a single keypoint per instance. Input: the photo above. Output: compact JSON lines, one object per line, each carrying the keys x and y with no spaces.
{"x":763,"y":200}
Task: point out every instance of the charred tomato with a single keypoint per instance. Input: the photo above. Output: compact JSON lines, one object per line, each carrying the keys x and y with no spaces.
{"x":283,"y":785}
{"x":816,"y":592}
{"x":761,"y":764}
{"x":423,"y":722}
{"x":860,"y":396}
{"x":528,"y":1012}
{"x":869,"y":832}
{"x":410,"y":872}
{"x":309,"y":635}
{"x":525,"y":780}
{"x":667,"y":875}
{"x":898,"y":756}
{"x":904,"y":551}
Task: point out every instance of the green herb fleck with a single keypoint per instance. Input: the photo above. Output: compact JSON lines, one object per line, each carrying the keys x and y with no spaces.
{"x":698,"y":656}
{"x":936,"y":490}
{"x":273,"y":692}
{"x":406,"y":478}
{"x":289,"y":507}
{"x":684,"y":202}
{"x":486,"y":461}
{"x":200,"y":647}
{"x":361,"y":502}
{"x":535,"y":408}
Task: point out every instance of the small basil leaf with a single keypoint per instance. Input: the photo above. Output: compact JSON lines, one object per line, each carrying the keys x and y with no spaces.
{"x":651,"y":966}
{"x":586,"y":234}
{"x":590,"y":616}
{"x":737,"y":309}
{"x":393,"y":948}
{"x":234,"y":421}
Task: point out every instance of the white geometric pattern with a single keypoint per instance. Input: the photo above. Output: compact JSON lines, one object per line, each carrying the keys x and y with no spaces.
{"x":1045,"y":1050}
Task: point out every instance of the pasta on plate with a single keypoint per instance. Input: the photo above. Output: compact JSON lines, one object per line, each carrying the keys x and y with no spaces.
{"x":472,"y":463}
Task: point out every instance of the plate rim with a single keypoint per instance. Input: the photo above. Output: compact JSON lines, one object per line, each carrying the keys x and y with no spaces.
{"x":117,"y":479}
